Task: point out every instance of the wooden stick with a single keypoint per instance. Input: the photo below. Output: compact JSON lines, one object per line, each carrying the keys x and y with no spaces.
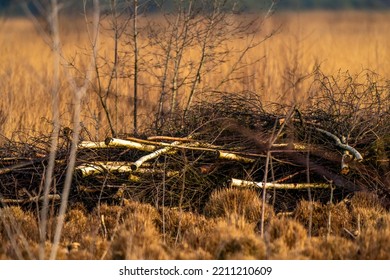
{"x":247,"y":184}
{"x":29,"y":200}
{"x":292,"y":146}
{"x":8,"y":169}
{"x":169,"y":138}
{"x":150,"y":146}
{"x":289,"y":176}
{"x":189,"y":143}
{"x":17,"y":166}
{"x":234,"y":157}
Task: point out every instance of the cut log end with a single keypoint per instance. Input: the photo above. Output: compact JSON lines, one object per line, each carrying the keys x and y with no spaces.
{"x":108,"y":140}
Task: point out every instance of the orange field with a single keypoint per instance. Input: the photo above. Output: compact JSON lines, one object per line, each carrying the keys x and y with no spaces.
{"x":333,"y":41}
{"x":312,"y":61}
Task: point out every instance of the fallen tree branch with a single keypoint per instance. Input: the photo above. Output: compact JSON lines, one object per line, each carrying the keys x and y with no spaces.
{"x":169,"y":138}
{"x":234,"y":157}
{"x":341,"y":145}
{"x":115,"y":142}
{"x":247,"y":184}
{"x":150,"y":146}
{"x":153,"y":155}
{"x":17,"y":166}
{"x":89,"y":169}
{"x":91,"y":145}
{"x":8,"y":169}
{"x":29,"y":200}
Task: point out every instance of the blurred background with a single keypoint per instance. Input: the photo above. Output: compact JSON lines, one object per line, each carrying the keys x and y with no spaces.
{"x":283,"y":55}
{"x":12,"y":6}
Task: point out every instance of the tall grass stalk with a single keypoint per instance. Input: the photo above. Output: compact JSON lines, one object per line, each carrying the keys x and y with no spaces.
{"x":79,"y":93}
{"x":53,"y":39}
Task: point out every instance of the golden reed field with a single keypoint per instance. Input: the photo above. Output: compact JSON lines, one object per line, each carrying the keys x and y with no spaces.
{"x":225,"y":223}
{"x":337,"y":41}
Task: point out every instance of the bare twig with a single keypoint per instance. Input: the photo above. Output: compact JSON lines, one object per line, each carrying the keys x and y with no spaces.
{"x":79,"y":92}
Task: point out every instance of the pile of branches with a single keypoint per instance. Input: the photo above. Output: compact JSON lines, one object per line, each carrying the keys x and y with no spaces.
{"x":335,"y":146}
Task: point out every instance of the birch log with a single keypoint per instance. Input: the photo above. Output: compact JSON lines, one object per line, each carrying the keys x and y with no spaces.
{"x":152,"y":155}
{"x":248,"y":184}
{"x":89,"y":169}
{"x":115,"y":142}
{"x":345,"y":159}
{"x":91,"y":145}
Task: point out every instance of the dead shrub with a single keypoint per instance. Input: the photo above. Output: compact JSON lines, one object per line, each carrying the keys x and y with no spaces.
{"x":233,"y":201}
{"x":186,"y":251}
{"x":366,"y":209}
{"x":340,"y":217}
{"x":181,"y":227}
{"x":97,"y":246}
{"x":374,"y":242}
{"x":285,"y":237}
{"x":111,"y":217}
{"x":138,"y":236}
{"x":233,"y":238}
{"x":76,"y":225}
{"x":21,"y":223}
{"x":330,"y":248}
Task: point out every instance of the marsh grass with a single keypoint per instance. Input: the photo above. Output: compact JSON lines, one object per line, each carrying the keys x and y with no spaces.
{"x":143,"y":232}
{"x":350,"y":41}
{"x":227,"y":227}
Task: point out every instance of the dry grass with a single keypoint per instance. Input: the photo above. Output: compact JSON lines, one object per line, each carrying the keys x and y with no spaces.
{"x":350,"y":41}
{"x":355,"y":228}
{"x":237,"y":202}
{"x":139,"y":231}
{"x":330,"y":248}
{"x":374,"y":241}
{"x":340,"y":217}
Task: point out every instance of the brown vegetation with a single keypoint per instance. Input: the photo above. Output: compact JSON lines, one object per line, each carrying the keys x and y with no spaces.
{"x":319,"y":68}
{"x":335,"y":41}
{"x":139,"y":231}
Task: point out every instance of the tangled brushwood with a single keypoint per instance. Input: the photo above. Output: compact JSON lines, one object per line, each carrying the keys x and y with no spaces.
{"x":339,"y":141}
{"x":300,"y":161}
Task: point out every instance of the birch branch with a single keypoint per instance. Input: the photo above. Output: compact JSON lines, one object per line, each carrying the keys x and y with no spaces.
{"x":234,"y":157}
{"x":247,"y":184}
{"x":150,"y":146}
{"x":115,"y":142}
{"x":91,"y":145}
{"x":152,"y":155}
{"x":89,"y":169}
{"x":338,"y":143}
{"x":292,"y":146}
